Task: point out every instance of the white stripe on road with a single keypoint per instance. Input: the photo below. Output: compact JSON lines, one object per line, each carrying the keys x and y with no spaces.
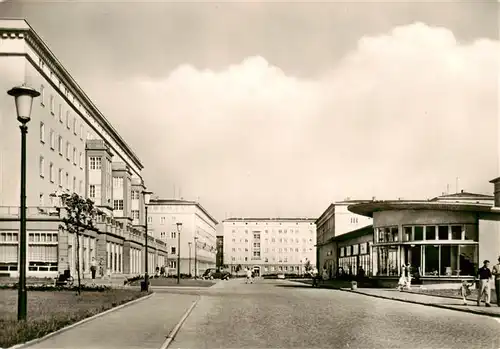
{"x":176,"y":329}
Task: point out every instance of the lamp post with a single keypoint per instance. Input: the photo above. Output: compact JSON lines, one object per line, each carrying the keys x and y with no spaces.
{"x":179,"y":229}
{"x":195,"y":257}
{"x":147,"y":198}
{"x":24,"y":101}
{"x":189,"y":243}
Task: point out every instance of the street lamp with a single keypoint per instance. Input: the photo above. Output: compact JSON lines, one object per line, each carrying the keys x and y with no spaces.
{"x":189,"y":243}
{"x":24,"y":101}
{"x":179,"y":229}
{"x":147,"y":198}
{"x":195,"y":257}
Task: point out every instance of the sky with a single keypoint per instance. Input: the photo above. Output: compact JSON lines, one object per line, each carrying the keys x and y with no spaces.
{"x":278,"y":109}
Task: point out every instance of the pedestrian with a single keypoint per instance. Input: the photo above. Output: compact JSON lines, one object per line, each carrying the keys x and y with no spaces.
{"x":325,"y":275}
{"x":249,"y":276}
{"x":484,"y":275}
{"x":93,"y":267}
{"x":408,"y":276}
{"x":162,"y":271}
{"x":465,"y":291}
{"x":496,"y":274}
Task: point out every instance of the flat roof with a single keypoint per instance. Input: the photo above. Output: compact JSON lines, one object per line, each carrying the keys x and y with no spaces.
{"x":367,"y":209}
{"x":161,"y":202}
{"x":269,"y":219}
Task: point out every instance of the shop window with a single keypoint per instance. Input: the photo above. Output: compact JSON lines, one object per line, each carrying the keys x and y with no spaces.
{"x":456,"y":232}
{"x":443,"y":232}
{"x":430,"y":233}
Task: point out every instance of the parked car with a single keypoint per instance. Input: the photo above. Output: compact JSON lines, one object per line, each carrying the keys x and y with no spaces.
{"x":212,"y":273}
{"x":281,"y":276}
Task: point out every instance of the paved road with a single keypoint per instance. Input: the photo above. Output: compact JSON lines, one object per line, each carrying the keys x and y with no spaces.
{"x":281,"y":314}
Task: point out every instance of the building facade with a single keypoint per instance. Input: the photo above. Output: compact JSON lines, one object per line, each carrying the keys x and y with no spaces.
{"x":220,"y":252}
{"x":443,"y":239}
{"x":335,"y":221}
{"x":269,"y":245}
{"x":71,"y":148}
{"x":197,"y":238}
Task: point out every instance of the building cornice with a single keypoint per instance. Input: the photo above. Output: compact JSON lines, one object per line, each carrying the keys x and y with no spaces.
{"x":21,"y":29}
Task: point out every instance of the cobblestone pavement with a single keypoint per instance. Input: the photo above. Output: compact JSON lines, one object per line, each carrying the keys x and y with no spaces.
{"x":143,"y":325}
{"x":284,"y":314}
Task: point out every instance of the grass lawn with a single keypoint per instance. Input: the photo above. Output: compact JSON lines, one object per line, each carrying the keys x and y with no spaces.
{"x":173,"y":282}
{"x":453,"y":293}
{"x":49,"y":311}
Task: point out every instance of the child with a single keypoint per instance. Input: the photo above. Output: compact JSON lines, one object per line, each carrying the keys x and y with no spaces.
{"x":402,"y":283}
{"x":465,"y":291}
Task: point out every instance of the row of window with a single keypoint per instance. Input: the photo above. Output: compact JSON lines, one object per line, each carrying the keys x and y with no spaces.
{"x":289,"y":268}
{"x":71,"y":122}
{"x":280,"y":231}
{"x":427,"y":232}
{"x":279,"y":259}
{"x":354,"y":250}
{"x":266,"y":250}
{"x":257,"y":223}
{"x":70,"y":149}
{"x":274,"y":240}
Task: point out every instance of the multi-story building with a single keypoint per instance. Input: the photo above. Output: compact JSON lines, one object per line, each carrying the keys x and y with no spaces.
{"x":197,"y":238}
{"x":336,"y":220}
{"x":71,"y":148}
{"x":269,"y":245}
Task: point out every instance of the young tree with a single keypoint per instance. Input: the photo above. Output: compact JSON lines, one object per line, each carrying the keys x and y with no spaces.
{"x":80,"y":214}
{"x":308,"y":266}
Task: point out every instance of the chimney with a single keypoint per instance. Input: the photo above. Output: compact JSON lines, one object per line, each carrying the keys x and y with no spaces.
{"x":496,"y":191}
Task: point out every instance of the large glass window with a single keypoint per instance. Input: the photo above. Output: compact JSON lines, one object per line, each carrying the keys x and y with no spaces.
{"x":456,"y":232}
{"x":443,"y":232}
{"x":468,"y":259}
{"x":471,"y":232}
{"x":431,"y":253}
{"x":419,"y":233}
{"x":387,"y":261}
{"x":430,"y":233}
{"x":407,"y":235}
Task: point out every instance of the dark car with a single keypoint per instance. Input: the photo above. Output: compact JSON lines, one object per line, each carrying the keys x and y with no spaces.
{"x":211,"y":274}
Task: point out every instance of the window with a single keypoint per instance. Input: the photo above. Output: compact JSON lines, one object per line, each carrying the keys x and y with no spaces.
{"x":118,"y":204}
{"x":117,"y":182}
{"x":42,"y":95}
{"x":150,"y":219}
{"x":430,"y":233}
{"x":81,"y":132}
{"x":60,"y":178}
{"x":173,"y":235}
{"x":95,"y":163}
{"x":68,"y":116}
{"x":135,"y":214}
{"x":172,"y":249}
{"x":135,"y":195}
{"x":355,"y":250}
{"x":443,"y":232}
{"x":52,"y":101}
{"x":52,"y":139}
{"x":162,"y":220}
{"x":80,"y":187}
{"x":80,"y":160}
{"x":74,"y":126}
{"x":419,"y":233}
{"x":68,"y":150}
{"x":40,"y":201}
{"x":41,"y":166}
{"x":51,"y":172}
{"x":74,"y":155}
{"x":60,"y":112}
{"x":456,"y":232}
{"x":74,"y":184}
{"x":92,"y":191}
{"x":67,"y":180}
{"x":42,"y":132}
{"x":60,"y":145}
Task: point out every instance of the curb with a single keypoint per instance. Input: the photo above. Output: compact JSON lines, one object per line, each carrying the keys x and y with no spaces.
{"x":177,"y":327}
{"x":81,"y":322}
{"x":473,"y":311}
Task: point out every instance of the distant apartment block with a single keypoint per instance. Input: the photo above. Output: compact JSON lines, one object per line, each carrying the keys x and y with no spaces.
{"x":197,"y":238}
{"x":269,"y":245}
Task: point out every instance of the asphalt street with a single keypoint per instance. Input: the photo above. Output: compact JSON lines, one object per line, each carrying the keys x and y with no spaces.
{"x":282,"y":314}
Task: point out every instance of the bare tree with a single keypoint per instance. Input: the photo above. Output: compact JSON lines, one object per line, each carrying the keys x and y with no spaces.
{"x":80,"y":214}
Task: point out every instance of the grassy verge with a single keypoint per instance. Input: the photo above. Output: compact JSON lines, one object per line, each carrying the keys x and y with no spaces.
{"x":452,"y":293}
{"x":173,"y":282}
{"x":51,"y":311}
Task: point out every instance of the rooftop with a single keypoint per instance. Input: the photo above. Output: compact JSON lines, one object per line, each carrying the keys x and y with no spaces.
{"x":269,"y":219}
{"x":164,"y":202}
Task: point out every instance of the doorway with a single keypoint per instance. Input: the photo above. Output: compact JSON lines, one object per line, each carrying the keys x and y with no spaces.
{"x":256,"y":270}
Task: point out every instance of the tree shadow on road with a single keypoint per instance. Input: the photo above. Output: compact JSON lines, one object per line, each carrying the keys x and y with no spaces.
{"x":295,"y":286}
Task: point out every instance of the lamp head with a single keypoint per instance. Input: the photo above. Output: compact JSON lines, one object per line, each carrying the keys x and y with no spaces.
{"x":24,"y":101}
{"x":179,"y":226}
{"x":147,"y":196}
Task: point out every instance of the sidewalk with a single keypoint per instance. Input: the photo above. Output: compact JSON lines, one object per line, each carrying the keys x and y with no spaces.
{"x":143,"y":325}
{"x":440,"y":302}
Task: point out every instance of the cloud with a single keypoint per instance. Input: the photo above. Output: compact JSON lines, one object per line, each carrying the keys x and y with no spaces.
{"x":402,"y":115}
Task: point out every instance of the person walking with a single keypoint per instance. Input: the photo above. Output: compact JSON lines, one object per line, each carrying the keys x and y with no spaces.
{"x":408,"y":276}
{"x":496,"y":275}
{"x":249,"y":276}
{"x":484,"y":275}
{"x":93,"y":267}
